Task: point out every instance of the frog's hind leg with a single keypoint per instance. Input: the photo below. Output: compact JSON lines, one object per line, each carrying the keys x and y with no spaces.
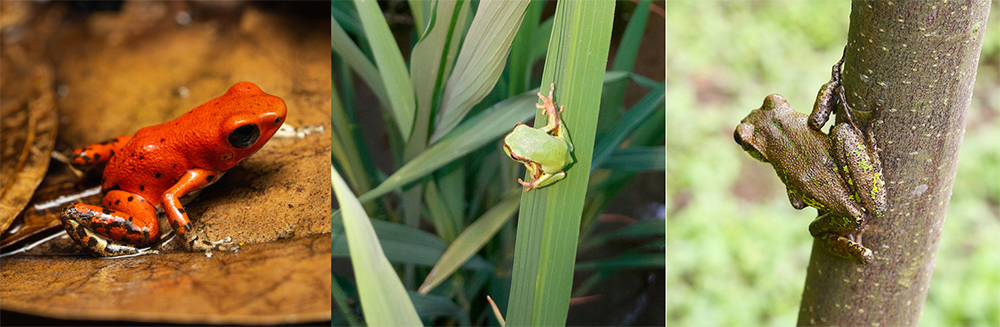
{"x":124,"y":229}
{"x":842,"y":236}
{"x":860,"y":168}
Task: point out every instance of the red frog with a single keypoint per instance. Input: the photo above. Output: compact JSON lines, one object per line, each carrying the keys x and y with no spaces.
{"x":164,"y":166}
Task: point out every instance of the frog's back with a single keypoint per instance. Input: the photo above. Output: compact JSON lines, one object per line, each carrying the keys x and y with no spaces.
{"x":810,"y":171}
{"x":537,"y":144}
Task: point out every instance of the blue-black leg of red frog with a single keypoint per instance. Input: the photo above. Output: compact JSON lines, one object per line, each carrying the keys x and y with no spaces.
{"x":125,"y":225}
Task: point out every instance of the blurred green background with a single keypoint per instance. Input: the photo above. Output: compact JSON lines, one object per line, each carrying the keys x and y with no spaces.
{"x":737,"y":251}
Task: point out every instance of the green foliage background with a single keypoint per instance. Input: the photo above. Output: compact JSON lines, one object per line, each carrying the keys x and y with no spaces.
{"x":736,"y":250}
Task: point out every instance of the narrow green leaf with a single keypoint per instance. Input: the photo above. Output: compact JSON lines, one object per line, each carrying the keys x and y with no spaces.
{"x":540,"y":41}
{"x":433,"y":306}
{"x":646,"y":81}
{"x":549,"y":220}
{"x":518,"y":66}
{"x":402,"y":244}
{"x":420,"y":9}
{"x":480,"y":61}
{"x":383,"y":298}
{"x":340,"y":298}
{"x":441,"y":216}
{"x":431,"y":61}
{"x":632,"y":38}
{"x":452,"y":179}
{"x":637,"y":158}
{"x":617,"y":133}
{"x":645,"y":228}
{"x":390,"y":64}
{"x":470,"y":241}
{"x":643,"y":260}
{"x":343,"y":13}
{"x":343,"y":149}
{"x":624,"y":61}
{"x":350,"y":53}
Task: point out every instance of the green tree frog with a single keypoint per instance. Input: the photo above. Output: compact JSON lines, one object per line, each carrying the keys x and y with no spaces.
{"x":545,"y":151}
{"x":838,"y":173}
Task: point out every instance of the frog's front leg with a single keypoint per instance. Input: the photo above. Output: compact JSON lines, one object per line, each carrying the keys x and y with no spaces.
{"x":826,"y":100}
{"x":842,"y":236}
{"x":99,"y":152}
{"x":193,"y":180}
{"x":123,"y":226}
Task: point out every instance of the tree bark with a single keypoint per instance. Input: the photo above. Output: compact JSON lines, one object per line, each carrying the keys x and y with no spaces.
{"x":920,"y":57}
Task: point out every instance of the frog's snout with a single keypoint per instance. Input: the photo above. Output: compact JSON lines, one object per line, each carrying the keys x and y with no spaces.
{"x":746,"y":130}
{"x":736,"y":136}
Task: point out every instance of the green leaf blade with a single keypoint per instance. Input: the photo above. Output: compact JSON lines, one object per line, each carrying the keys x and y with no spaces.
{"x":549,"y":224}
{"x":480,"y":61}
{"x":383,"y":298}
{"x":390,"y":64}
{"x":470,"y":241}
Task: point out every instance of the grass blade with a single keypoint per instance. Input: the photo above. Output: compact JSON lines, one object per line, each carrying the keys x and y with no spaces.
{"x":390,"y":64}
{"x":403,"y":244}
{"x":549,"y":224}
{"x":641,"y":260}
{"x":480,"y":61}
{"x":431,"y":62}
{"x":352,"y":55}
{"x":637,"y":158}
{"x":646,"y":228}
{"x":470,"y":241}
{"x":383,"y":298}
{"x":610,"y":141}
{"x":624,"y":61}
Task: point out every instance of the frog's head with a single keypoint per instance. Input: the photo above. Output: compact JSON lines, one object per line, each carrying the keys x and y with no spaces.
{"x":253,"y":118}
{"x":749,"y":133}
{"x":236,"y":125}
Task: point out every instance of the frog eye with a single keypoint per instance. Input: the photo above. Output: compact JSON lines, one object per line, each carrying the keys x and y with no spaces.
{"x":244,"y":136}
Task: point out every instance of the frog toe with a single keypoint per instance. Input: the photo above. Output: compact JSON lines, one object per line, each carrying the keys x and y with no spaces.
{"x":843,"y":247}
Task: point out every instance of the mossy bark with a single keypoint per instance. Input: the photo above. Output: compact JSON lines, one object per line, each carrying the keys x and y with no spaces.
{"x":920,"y":57}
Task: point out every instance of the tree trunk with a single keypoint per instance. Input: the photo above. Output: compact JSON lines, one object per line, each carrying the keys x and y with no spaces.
{"x":920,"y":57}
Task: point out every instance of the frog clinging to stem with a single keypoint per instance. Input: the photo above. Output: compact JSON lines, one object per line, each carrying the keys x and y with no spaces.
{"x":838,"y":173}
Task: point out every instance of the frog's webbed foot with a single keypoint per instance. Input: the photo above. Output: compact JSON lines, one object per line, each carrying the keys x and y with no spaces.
{"x":207,"y":246}
{"x":554,"y":118}
{"x":846,"y":247}
{"x":842,"y":236}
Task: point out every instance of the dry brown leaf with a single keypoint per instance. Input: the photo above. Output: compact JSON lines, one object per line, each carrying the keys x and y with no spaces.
{"x":271,"y":283}
{"x":28,"y":121}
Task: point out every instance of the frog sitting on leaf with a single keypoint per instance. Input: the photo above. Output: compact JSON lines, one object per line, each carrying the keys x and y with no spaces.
{"x":839,"y":173}
{"x":545,"y":151}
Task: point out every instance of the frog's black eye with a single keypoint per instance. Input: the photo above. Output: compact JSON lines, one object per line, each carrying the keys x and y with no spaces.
{"x":739,"y":140}
{"x":244,"y":136}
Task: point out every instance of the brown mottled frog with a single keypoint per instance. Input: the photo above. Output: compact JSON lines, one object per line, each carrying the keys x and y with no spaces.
{"x":838,"y":173}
